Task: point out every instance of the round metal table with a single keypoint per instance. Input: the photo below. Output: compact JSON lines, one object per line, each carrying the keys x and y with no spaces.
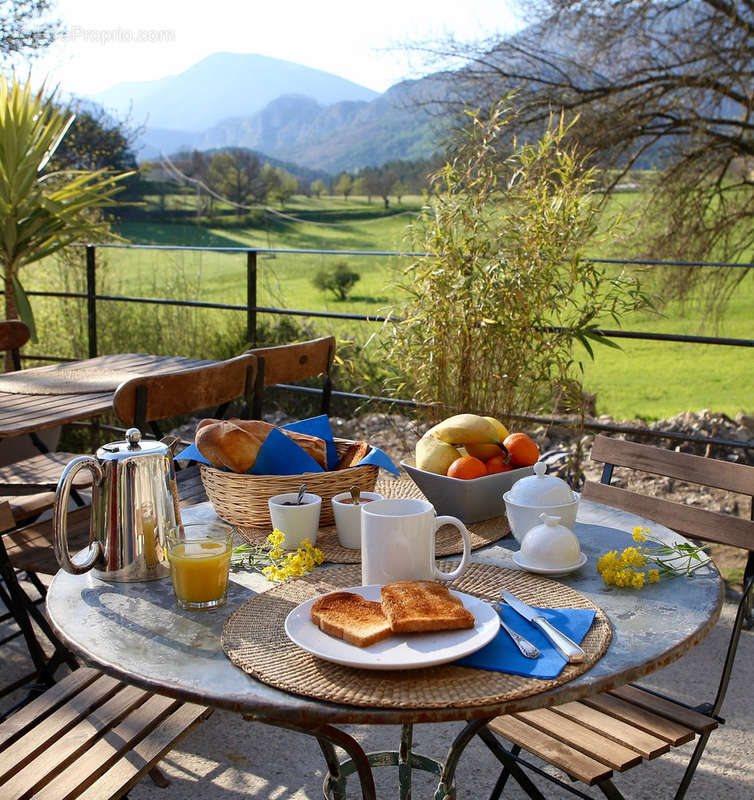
{"x":135,"y":632}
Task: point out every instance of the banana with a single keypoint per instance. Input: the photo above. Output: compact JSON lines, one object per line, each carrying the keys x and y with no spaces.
{"x":462,"y":429}
{"x":502,"y":431}
{"x":434,"y":455}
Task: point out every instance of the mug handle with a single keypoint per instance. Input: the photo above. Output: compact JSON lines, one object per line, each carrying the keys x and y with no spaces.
{"x":451,"y":576}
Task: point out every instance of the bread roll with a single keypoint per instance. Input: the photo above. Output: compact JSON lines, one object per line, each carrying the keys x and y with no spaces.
{"x":235,"y":443}
{"x":224,"y":444}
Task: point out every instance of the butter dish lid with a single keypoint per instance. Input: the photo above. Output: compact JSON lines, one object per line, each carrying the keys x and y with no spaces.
{"x":541,"y":489}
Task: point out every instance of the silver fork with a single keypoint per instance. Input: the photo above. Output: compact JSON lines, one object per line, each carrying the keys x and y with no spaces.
{"x":526,"y":648}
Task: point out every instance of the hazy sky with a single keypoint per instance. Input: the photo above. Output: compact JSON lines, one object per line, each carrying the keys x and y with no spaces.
{"x":109,"y":43}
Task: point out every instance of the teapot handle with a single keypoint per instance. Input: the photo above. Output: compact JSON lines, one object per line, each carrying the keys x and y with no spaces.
{"x":60,"y":516}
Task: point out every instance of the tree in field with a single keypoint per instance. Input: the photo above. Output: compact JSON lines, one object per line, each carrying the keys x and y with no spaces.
{"x":286,"y":186}
{"x":344,"y":185}
{"x":25,"y":27}
{"x":380,"y":181}
{"x":399,"y":189}
{"x":359,"y":187}
{"x":41,"y":210}
{"x":318,"y":188}
{"x":656,"y":84}
{"x":237,"y":176}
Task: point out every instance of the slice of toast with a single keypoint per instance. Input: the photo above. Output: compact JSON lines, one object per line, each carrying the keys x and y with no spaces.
{"x":350,"y":617}
{"x":413,"y":606}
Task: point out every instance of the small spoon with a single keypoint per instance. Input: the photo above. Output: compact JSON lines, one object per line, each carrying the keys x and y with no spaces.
{"x":301,"y":493}
{"x":355,"y":494}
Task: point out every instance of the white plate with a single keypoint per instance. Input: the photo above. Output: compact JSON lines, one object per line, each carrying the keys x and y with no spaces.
{"x":548,"y":570}
{"x":402,"y":651}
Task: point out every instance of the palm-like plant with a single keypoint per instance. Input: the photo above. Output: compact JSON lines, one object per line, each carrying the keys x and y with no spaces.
{"x":40,"y":212}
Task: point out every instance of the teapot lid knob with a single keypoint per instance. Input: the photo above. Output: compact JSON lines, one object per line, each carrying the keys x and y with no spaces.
{"x":133,"y":437}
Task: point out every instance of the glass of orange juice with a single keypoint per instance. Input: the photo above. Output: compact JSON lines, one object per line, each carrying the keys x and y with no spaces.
{"x":199,"y":555}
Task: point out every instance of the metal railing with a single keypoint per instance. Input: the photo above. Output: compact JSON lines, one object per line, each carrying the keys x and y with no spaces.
{"x":252,"y":309}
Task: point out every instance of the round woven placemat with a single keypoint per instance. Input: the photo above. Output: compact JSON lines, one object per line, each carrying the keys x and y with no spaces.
{"x":447,"y":543}
{"x":254,"y":639}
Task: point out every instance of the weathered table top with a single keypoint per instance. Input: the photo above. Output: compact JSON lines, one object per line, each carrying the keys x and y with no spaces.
{"x":136,"y":632}
{"x":24,"y":412}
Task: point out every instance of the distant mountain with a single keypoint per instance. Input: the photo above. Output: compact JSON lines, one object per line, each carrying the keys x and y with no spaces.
{"x":341,"y":136}
{"x":224,"y":85}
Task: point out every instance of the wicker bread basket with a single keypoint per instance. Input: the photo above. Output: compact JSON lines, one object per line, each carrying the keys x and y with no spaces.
{"x":242,"y":499}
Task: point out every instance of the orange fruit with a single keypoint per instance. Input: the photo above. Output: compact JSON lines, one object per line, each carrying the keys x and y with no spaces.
{"x":497,"y":464}
{"x":467,"y":467}
{"x":484,"y":452}
{"x":522,"y":449}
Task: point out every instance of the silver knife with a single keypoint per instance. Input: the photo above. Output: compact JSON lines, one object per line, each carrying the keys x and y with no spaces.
{"x":567,"y":647}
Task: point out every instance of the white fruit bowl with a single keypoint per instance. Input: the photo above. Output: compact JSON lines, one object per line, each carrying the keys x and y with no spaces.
{"x":471,"y":500}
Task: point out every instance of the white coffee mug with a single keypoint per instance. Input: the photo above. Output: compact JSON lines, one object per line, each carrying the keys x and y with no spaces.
{"x":398,"y":542}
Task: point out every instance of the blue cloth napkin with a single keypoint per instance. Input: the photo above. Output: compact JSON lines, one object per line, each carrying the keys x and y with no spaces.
{"x":502,"y":655}
{"x":317,"y":426}
{"x":279,"y":455}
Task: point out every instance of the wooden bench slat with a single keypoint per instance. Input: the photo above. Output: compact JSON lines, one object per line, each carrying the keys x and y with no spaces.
{"x":55,"y":725}
{"x":698,"y":523}
{"x":701,"y":723}
{"x":127,"y":771}
{"x":682,"y":466}
{"x":642,"y":742}
{"x":581,"y":738}
{"x":25,"y":718}
{"x":61,"y":750}
{"x":31,"y":547}
{"x":115,"y":743}
{"x":547,"y":747}
{"x":658,"y":726}
{"x":42,"y":469}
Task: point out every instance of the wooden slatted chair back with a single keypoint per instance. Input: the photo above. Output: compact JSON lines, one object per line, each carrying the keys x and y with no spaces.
{"x":288,"y":363}
{"x":151,"y":398}
{"x":580,"y":738}
{"x":692,"y":521}
{"x":14,"y":334}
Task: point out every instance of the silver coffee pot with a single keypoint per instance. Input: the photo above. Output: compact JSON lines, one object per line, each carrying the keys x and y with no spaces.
{"x":134,"y":505}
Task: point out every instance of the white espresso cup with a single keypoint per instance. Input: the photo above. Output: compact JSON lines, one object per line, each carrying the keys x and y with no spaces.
{"x":297,"y":522}
{"x":398,"y":542}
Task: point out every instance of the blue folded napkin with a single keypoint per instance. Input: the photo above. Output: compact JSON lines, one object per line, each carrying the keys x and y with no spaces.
{"x":280,"y":455}
{"x":502,"y":655}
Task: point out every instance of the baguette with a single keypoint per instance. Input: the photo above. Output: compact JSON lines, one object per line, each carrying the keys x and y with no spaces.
{"x":414,"y":606}
{"x":350,"y":617}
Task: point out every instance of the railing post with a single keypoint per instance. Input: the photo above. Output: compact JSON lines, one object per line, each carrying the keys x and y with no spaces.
{"x":91,"y":301}
{"x":251,"y":297}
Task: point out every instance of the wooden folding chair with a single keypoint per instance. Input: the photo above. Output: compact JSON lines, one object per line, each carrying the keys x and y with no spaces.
{"x":150,"y":399}
{"x":287,"y":363}
{"x":619,"y":729}
{"x":29,"y":483}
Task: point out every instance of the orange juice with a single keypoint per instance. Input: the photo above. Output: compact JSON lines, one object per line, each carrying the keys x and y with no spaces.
{"x":200,"y":571}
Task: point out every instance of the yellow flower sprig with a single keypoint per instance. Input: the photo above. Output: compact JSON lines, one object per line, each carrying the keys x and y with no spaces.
{"x":273,"y":562}
{"x":632,"y":568}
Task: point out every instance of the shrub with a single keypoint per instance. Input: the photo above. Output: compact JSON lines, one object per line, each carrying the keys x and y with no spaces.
{"x":493,"y":315}
{"x":338,"y":279}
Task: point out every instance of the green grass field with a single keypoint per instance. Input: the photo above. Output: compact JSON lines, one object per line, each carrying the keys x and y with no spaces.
{"x":644,"y":379}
